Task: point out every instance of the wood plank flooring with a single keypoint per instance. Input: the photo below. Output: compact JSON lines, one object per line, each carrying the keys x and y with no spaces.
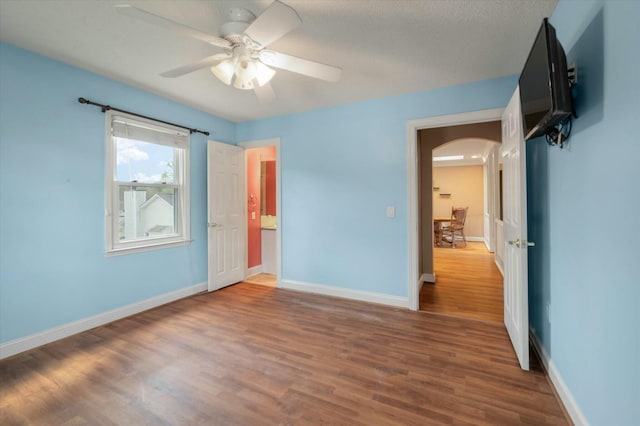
{"x":263,"y":279}
{"x":254,"y":355}
{"x":468,"y":284}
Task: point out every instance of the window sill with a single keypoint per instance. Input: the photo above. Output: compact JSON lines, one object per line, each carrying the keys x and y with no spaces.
{"x":145,"y":248}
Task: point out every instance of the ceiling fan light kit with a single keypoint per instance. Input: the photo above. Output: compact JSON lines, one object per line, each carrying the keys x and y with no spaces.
{"x":243,"y":70}
{"x":245,"y":38}
{"x":224,"y":71}
{"x":264,"y":74}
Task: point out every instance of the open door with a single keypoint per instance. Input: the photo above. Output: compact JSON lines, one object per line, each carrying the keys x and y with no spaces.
{"x":516,"y":298}
{"x":226,"y":222}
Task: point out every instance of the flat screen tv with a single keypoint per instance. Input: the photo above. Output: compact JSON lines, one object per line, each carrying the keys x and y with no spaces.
{"x":545,"y":93}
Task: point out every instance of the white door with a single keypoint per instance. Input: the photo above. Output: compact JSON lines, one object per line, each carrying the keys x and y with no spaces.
{"x":516,"y":309}
{"x":225,"y":214}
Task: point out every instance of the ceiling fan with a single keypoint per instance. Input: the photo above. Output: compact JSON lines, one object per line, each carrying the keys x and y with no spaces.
{"x":246,"y":63}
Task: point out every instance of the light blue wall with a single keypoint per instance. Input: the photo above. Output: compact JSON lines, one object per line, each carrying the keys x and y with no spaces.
{"x":52,"y":264}
{"x":341,"y":168}
{"x":583,"y":210}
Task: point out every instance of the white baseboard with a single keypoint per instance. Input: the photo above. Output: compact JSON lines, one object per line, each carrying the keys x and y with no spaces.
{"x":364,"y":296}
{"x":476,"y":239}
{"x":498,"y":265}
{"x":427,"y":278}
{"x":563,"y":391}
{"x":22,"y":344}
{"x":254,"y":271}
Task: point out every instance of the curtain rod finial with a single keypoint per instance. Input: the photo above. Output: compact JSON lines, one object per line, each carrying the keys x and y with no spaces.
{"x":82,"y":100}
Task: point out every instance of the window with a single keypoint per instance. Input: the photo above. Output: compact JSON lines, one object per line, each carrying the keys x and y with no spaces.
{"x":147,"y":184}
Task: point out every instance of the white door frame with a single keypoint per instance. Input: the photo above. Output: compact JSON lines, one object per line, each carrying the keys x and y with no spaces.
{"x":412,"y":183}
{"x":260,"y":143}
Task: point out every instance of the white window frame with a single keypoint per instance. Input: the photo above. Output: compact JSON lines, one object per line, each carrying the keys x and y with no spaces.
{"x":113,"y":245}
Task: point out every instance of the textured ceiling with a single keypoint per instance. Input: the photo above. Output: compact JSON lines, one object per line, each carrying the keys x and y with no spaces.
{"x":385,"y":47}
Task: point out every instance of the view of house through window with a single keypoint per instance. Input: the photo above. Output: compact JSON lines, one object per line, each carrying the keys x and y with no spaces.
{"x":144,"y":210}
{"x":147,"y":190}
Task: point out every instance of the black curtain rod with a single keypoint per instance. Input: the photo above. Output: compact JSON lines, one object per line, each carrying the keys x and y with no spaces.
{"x":109,"y":107}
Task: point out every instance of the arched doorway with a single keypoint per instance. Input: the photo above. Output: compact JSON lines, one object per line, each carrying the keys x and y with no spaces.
{"x":462,"y":170}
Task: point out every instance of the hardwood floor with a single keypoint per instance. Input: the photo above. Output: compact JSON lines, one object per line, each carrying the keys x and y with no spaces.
{"x":468,"y":284}
{"x":263,"y":279}
{"x":254,"y":355}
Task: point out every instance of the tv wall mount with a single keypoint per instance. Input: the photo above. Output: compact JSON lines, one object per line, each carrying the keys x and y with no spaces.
{"x":558,"y":135}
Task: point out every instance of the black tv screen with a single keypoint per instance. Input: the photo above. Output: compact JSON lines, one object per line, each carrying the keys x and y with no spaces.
{"x":545,"y":94}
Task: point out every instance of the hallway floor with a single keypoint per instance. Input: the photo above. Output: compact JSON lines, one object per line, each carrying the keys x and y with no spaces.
{"x":468,"y":284}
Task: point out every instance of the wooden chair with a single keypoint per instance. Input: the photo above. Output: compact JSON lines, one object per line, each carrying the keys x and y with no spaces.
{"x":456,"y":228}
{"x":438,"y":224}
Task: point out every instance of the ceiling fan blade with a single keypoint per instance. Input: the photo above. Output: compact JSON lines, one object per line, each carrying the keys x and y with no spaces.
{"x":276,"y":21}
{"x":265,"y":94}
{"x":203,"y":63}
{"x":300,"y":66}
{"x":170,"y":25}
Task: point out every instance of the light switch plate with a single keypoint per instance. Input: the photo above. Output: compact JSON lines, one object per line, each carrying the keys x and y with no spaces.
{"x":253,"y":215}
{"x":391,"y":211}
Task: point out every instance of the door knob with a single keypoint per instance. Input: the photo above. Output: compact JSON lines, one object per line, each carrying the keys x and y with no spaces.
{"x":517,"y":243}
{"x":213,"y":224}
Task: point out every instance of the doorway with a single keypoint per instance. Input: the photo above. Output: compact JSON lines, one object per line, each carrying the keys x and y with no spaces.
{"x":420,"y":220}
{"x":264,"y":217}
{"x":466,"y":282}
{"x":515,"y":222}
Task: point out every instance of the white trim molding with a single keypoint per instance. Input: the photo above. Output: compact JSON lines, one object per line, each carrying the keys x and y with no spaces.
{"x":364,"y":296}
{"x":22,"y":344}
{"x":577,"y":416}
{"x":476,"y":239}
{"x":427,"y":278}
{"x":253,"y":271}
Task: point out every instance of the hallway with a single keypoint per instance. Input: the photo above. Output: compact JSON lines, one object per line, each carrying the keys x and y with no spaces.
{"x":468,"y":284}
